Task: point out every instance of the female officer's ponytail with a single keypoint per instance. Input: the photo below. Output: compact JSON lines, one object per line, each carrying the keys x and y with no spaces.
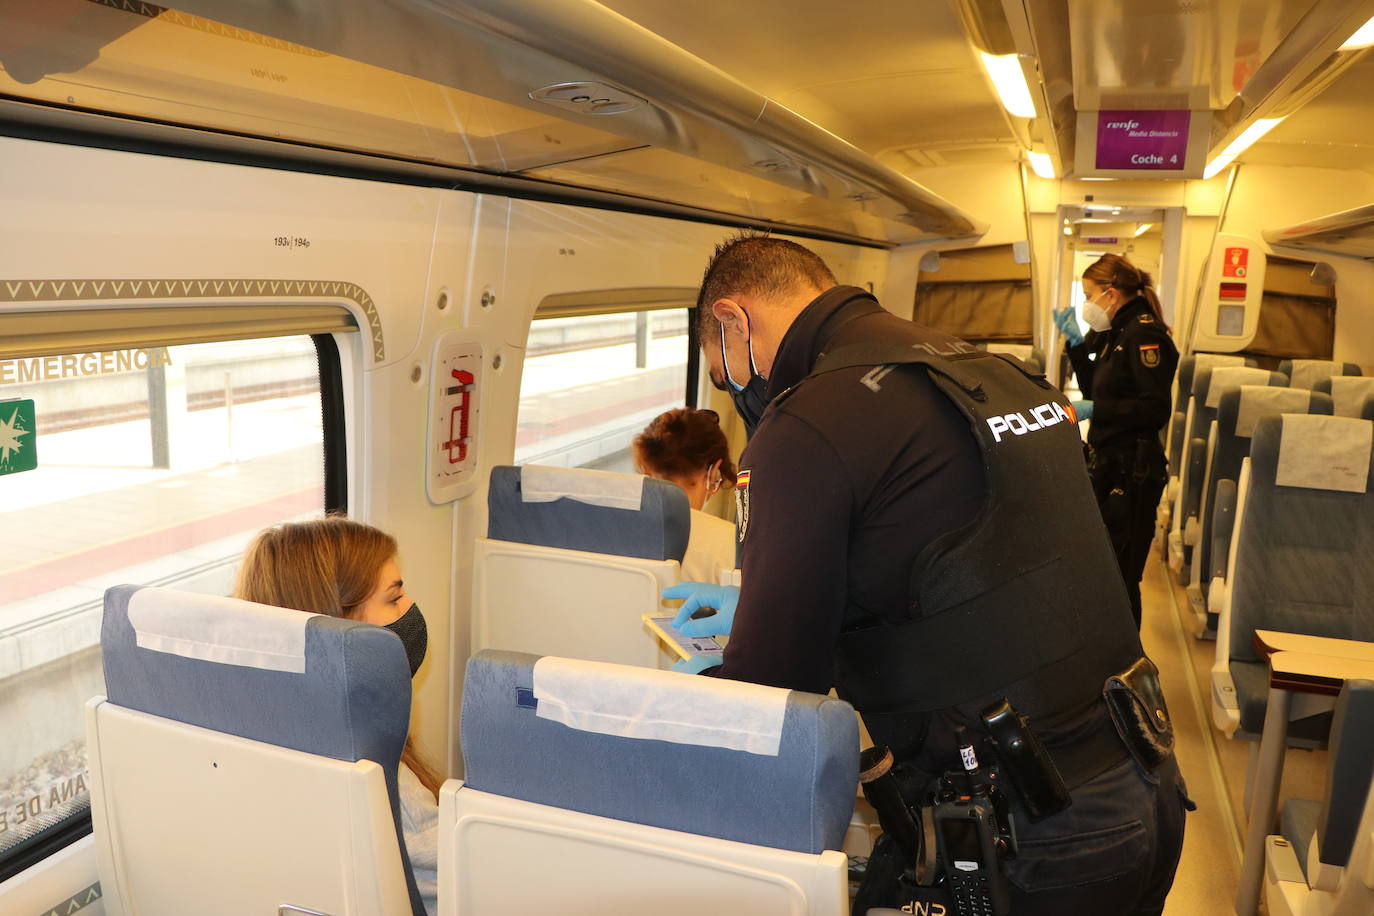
{"x":1115,"y":271}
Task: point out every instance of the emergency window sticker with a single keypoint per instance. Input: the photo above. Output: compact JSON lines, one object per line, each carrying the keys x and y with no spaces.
{"x":742,"y":503}
{"x":1149,"y":355}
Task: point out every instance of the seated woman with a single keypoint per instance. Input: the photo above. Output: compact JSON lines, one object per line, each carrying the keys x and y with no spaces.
{"x":687,"y":447}
{"x":347,"y":569}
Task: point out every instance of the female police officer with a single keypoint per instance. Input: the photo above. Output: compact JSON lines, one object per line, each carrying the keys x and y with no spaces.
{"x":1125,"y":367}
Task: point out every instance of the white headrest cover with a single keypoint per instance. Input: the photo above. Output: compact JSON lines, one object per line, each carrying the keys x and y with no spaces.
{"x":215,"y":629}
{"x":1307,"y":372}
{"x":1212,"y":360}
{"x":1324,"y":453}
{"x":1258,"y":400}
{"x":1226,"y":377}
{"x":632,"y":702}
{"x":540,"y":484}
{"x":1348,"y":393}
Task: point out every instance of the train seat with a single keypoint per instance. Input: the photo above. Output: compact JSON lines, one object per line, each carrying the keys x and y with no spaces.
{"x":1188,"y":366}
{"x":276,"y":737}
{"x":1348,"y":392}
{"x":1301,"y":560}
{"x":596,"y":788}
{"x":1326,"y":847}
{"x":572,"y":558}
{"x":1208,"y":384}
{"x":1304,"y":373}
{"x":1238,"y":410}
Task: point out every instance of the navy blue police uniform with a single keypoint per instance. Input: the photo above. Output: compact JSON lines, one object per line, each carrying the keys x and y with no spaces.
{"x":1127,"y":372}
{"x":923,"y":538}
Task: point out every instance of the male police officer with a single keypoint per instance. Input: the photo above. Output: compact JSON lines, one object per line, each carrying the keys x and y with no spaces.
{"x":917,"y":530}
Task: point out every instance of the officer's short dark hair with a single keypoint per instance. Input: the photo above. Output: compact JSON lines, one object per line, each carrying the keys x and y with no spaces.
{"x":756,"y":264}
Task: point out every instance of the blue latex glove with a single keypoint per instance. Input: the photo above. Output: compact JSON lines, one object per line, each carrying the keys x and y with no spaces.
{"x":1084,"y":409}
{"x":1069,"y":325}
{"x":697,"y":663}
{"x":699,"y":595}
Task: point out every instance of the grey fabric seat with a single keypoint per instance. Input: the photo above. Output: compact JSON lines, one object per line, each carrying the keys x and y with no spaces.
{"x":1348,"y":392}
{"x":1239,"y":409}
{"x":799,"y":800}
{"x":324,"y":686}
{"x":1188,"y":366}
{"x":1333,"y":821}
{"x":1304,"y":557}
{"x":1208,"y":385}
{"x":1305,"y":373}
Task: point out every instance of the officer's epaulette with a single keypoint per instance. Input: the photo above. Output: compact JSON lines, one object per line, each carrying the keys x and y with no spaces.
{"x":1145,"y":318}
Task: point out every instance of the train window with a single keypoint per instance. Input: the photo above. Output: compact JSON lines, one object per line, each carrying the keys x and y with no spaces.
{"x":980,"y":294}
{"x":1297,"y":318}
{"x":592,"y":382}
{"x":151,"y":465}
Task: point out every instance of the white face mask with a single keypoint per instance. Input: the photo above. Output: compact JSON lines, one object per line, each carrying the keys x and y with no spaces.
{"x":1096,"y":316}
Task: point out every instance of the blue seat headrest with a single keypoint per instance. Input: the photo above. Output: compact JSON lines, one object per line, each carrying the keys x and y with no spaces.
{"x":799,"y":799}
{"x":655,"y":525}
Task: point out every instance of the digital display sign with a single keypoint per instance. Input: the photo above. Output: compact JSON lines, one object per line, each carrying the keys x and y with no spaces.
{"x":1146,"y":140}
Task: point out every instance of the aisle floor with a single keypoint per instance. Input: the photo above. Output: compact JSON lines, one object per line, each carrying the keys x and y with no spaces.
{"x":1213,"y":765}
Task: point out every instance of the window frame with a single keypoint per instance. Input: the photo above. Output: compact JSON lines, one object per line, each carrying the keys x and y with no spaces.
{"x":621,"y":302}
{"x":78,"y":824}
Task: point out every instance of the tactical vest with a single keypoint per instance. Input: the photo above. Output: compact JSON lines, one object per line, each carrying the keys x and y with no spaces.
{"x":1026,"y":602}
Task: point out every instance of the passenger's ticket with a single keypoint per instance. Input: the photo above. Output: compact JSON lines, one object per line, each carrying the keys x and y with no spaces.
{"x":685,"y":646}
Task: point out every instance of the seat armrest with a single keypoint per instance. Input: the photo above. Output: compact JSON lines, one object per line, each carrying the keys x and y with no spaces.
{"x":1225,"y":708}
{"x":1175,"y":545}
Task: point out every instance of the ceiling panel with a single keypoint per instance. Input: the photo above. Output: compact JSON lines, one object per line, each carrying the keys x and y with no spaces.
{"x":1334,"y":130}
{"x":1142,"y":54}
{"x":379,"y":76}
{"x":664,"y":175}
{"x":883,"y":75}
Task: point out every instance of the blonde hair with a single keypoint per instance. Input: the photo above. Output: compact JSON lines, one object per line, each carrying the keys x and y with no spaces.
{"x":322,"y":566}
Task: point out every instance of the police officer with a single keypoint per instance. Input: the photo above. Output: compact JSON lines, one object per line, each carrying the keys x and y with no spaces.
{"x":917,"y":531}
{"x":1125,"y":368}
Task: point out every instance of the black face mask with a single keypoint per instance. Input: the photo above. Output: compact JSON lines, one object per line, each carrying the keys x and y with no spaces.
{"x":751,"y":399}
{"x":410,"y":627}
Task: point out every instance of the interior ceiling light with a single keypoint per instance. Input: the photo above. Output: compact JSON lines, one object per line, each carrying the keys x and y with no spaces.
{"x":1010,"y":82}
{"x":1144,"y":228}
{"x":1068,"y":230}
{"x":1363,"y":37}
{"x":1041,"y":164}
{"x":1240,"y":145}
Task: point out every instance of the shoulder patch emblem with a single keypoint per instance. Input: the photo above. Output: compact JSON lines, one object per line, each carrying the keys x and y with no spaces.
{"x":1149,"y":355}
{"x":742,"y":503}
{"x":1146,"y":318}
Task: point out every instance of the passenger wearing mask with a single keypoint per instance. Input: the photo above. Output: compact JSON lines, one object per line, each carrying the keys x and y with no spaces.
{"x":688,"y":448}
{"x":916,"y":531}
{"x":347,"y":569}
{"x":1125,"y":367}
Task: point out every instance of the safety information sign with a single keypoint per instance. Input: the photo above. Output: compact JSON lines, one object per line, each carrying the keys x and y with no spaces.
{"x":1236,"y":262}
{"x":18,"y":448}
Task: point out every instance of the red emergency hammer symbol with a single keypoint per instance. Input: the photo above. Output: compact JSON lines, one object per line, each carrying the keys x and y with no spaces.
{"x":458,"y":417}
